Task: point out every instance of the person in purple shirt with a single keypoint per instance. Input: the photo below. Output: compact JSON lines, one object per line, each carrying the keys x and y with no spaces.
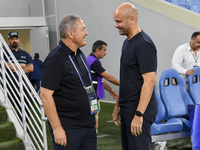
{"x":98,"y":72}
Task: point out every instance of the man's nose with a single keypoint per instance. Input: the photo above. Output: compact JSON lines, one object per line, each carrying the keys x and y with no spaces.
{"x":116,"y":25}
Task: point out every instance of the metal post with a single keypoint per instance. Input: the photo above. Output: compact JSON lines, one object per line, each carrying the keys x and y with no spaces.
{"x":44,"y":119}
{"x":3,"y":74}
{"x":22,"y":105}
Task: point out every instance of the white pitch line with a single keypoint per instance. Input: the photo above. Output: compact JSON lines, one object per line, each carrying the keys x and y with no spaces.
{"x":107,"y":101}
{"x":100,"y":136}
{"x":109,"y":121}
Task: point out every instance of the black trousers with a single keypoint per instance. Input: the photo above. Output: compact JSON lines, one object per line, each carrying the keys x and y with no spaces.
{"x":141,"y":142}
{"x":78,"y":139}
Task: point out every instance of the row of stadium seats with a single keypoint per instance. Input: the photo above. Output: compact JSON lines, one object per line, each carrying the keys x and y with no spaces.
{"x":174,"y":103}
{"x":193,"y":5}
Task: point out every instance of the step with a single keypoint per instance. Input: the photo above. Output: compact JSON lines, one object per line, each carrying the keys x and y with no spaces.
{"x":3,"y":114}
{"x":14,"y":144}
{"x":7,"y":131}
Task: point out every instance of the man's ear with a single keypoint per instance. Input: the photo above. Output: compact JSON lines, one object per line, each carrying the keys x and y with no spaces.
{"x":70,"y":34}
{"x":98,"y":49}
{"x":132,"y":19}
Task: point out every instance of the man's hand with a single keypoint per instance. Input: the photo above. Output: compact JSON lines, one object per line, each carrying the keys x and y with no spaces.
{"x":52,"y":115}
{"x":116,"y":116}
{"x":97,"y":121}
{"x":136,"y":125}
{"x":189,"y":72}
{"x":60,"y":136}
{"x":113,"y":93}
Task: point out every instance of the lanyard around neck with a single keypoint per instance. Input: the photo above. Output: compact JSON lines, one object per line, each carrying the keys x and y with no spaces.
{"x":195,"y":56}
{"x":79,"y":75}
{"x":78,"y":71}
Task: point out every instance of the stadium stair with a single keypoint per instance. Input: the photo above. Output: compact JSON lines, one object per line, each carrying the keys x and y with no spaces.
{"x":8,"y":139}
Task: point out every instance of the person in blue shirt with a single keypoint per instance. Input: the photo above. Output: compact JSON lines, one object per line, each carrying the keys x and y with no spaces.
{"x":36,"y":75}
{"x":23,"y":57}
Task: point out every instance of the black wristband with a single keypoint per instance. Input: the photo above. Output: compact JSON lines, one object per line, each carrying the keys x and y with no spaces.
{"x":139,"y":114}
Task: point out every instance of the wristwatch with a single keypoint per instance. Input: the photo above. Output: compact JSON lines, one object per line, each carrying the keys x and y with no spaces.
{"x":139,"y":114}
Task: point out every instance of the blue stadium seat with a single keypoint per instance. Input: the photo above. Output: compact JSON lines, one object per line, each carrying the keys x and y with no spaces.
{"x":172,"y":125}
{"x":181,"y":3}
{"x":174,"y":96}
{"x":194,"y":85}
{"x":195,"y":8}
{"x":192,"y":2}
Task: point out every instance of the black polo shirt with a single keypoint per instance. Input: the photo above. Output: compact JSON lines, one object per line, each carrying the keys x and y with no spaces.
{"x":139,"y":56}
{"x":70,"y":97}
{"x":98,"y":69}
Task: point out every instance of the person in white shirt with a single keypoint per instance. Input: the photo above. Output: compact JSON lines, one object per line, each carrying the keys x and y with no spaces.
{"x":187,"y":56}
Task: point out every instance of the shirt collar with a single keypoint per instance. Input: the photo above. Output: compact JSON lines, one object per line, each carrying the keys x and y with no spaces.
{"x":19,"y":50}
{"x":67,"y":50}
{"x":91,"y":54}
{"x":188,"y":48}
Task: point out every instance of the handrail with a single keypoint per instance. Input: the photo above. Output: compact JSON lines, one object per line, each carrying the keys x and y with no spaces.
{"x":25,"y":102}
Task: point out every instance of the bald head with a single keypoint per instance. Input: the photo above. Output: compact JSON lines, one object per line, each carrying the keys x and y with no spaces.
{"x":126,"y":20}
{"x":127,"y":10}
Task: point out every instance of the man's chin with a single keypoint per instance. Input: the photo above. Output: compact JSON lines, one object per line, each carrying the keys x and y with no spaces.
{"x":83,"y":44}
{"x":122,"y":33}
{"x":14,"y":46}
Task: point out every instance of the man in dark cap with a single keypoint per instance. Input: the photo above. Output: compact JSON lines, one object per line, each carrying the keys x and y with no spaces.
{"x":23,"y":57}
{"x":36,"y":75}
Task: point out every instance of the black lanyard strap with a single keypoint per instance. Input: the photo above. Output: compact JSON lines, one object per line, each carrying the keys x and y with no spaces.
{"x":196,"y":57}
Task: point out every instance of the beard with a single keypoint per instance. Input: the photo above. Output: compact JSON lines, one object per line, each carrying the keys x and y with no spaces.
{"x":123,"y":31}
{"x":14,"y":45}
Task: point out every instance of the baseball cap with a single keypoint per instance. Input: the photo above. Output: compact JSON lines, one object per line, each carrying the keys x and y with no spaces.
{"x":36,"y":55}
{"x":12,"y":34}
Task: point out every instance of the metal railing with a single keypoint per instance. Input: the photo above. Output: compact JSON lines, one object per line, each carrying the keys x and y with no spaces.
{"x":20,"y":95}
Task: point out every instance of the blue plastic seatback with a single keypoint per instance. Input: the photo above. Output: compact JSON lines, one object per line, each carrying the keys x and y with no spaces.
{"x":172,"y":125}
{"x":195,"y":8}
{"x":174,"y":96}
{"x":194,"y":85}
{"x":192,"y":2}
{"x":161,"y":107}
{"x":181,"y":3}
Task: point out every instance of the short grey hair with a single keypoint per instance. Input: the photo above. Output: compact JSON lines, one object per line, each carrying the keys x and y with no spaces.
{"x":68,"y":23}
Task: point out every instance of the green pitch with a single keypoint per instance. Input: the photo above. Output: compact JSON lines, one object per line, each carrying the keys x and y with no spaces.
{"x":109,"y":134}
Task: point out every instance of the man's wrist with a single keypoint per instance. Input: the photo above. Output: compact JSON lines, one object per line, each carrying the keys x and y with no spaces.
{"x":139,"y":114}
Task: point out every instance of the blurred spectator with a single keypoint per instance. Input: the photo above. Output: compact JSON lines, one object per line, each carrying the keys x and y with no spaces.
{"x":23,"y":58}
{"x":186,"y":56}
{"x":36,"y":75}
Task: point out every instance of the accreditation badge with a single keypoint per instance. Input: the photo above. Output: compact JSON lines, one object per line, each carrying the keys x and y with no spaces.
{"x":94,"y":107}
